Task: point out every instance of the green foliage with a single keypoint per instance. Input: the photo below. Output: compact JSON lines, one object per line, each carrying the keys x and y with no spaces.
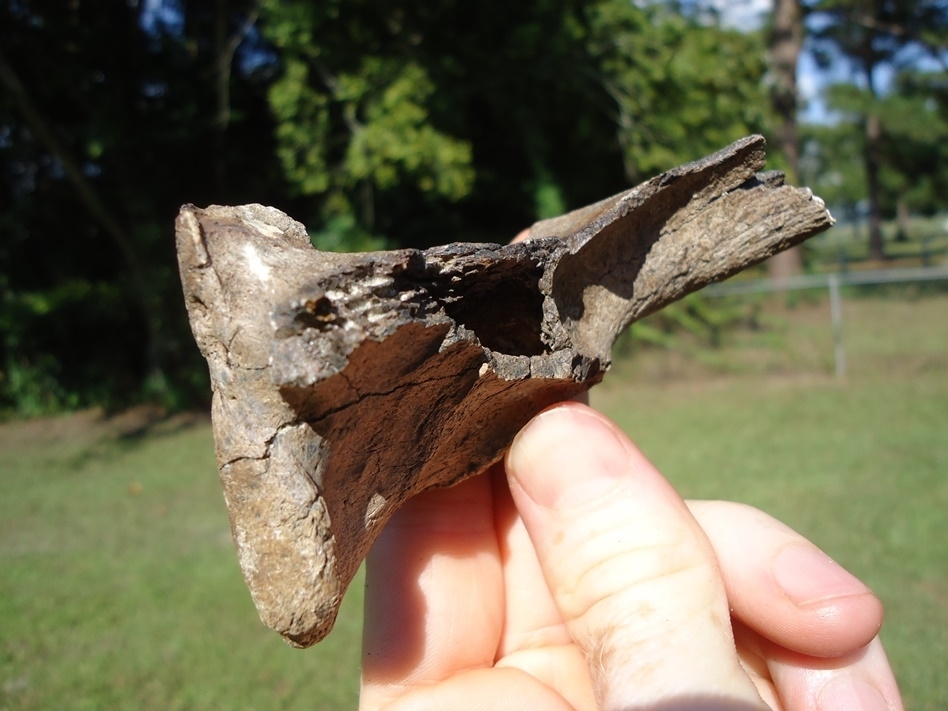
{"x":682,"y":88}
{"x":831,"y":163}
{"x":36,"y":324}
{"x":411,"y":106}
{"x":343,"y":234}
{"x":390,"y":141}
{"x":352,"y":122}
{"x":548,"y":199}
{"x":692,"y":325}
{"x":914,"y":120}
{"x":33,"y":389}
{"x":873,"y":38}
{"x":302,"y":129}
{"x":396,"y":141}
{"x":91,"y":301}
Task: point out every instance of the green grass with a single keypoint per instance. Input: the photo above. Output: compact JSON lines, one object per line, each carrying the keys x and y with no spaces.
{"x":119,"y":587}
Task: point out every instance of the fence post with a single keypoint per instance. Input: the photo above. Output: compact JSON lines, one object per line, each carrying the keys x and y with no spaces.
{"x":836,"y":313}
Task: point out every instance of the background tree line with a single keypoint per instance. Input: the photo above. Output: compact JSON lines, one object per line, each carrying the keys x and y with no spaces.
{"x":390,"y":124}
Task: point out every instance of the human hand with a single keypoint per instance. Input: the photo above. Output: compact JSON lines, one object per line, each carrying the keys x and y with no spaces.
{"x":580,"y":580}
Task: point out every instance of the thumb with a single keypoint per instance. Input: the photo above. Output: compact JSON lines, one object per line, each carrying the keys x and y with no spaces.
{"x":628,"y":567}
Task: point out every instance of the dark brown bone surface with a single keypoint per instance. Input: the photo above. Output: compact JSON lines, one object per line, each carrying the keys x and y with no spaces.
{"x":345,"y":383}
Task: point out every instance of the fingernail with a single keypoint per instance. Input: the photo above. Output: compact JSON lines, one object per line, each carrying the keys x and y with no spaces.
{"x":848,"y":694}
{"x":808,"y":576}
{"x":566,"y":456}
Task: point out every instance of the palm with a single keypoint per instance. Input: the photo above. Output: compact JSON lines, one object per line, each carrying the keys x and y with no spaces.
{"x":492,"y":615}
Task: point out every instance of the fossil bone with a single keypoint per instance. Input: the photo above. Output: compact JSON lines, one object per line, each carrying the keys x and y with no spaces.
{"x":345,"y":383}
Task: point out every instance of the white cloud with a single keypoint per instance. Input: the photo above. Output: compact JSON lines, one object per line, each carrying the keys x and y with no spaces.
{"x":743,"y":14}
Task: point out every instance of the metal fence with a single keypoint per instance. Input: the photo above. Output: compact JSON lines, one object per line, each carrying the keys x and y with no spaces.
{"x":833,"y":283}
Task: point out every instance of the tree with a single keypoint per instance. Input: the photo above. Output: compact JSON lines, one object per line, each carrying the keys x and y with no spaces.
{"x":786,"y":43}
{"x":384,"y":111}
{"x":430,"y":121}
{"x":831,"y":163}
{"x":872,"y":35}
{"x":682,"y":84}
{"x":914,"y":118}
{"x":102,"y":142}
{"x":914,"y":148}
{"x":376,"y":123}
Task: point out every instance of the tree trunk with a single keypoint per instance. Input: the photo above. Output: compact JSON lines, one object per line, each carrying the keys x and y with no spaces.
{"x":873,"y":149}
{"x":902,"y":217}
{"x":786,"y":41}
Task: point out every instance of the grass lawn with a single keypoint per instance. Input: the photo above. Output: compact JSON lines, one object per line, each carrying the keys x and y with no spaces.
{"x":119,"y":587}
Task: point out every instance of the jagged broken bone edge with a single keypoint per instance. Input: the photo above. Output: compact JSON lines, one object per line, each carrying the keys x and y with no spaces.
{"x":345,"y":383}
